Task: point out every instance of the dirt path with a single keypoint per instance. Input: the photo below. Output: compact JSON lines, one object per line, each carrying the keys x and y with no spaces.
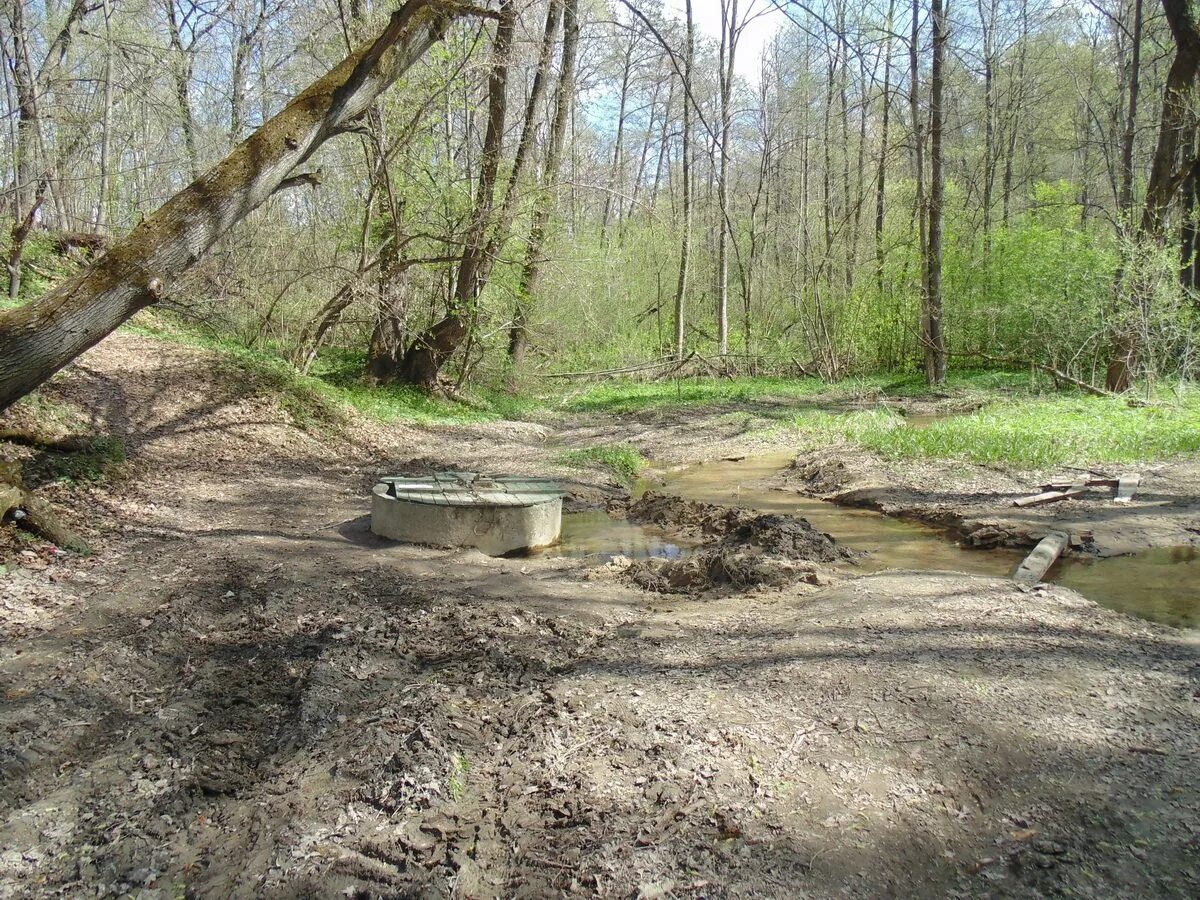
{"x":243,"y":693}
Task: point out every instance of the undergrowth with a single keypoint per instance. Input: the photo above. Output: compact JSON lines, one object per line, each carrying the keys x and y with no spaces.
{"x":320,"y":399}
{"x":1031,"y":433}
{"x":627,"y":396}
{"x":623,"y":461}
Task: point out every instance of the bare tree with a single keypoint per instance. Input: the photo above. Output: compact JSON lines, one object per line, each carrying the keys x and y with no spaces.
{"x":431,"y":348}
{"x":934,"y":340}
{"x":39,"y":338}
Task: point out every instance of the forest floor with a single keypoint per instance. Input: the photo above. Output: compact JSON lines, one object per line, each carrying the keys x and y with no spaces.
{"x":242,"y":692}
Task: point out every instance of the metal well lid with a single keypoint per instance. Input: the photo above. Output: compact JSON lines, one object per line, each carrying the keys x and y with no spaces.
{"x":472,"y":489}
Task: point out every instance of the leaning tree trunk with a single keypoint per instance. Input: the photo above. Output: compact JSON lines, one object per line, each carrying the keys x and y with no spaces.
{"x":38,"y":339}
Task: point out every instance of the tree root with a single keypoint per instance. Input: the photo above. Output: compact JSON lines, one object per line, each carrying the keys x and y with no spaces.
{"x":32,"y":513}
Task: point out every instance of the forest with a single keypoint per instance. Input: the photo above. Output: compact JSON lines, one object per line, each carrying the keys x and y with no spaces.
{"x":866,"y":188}
{"x":613,"y":448}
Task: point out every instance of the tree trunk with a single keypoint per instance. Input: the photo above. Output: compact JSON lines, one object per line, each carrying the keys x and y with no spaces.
{"x":518,"y":337}
{"x":104,"y":201}
{"x":181,"y":72}
{"x":1125,"y":197}
{"x":935,"y":342}
{"x":918,"y":138}
{"x":988,"y":20}
{"x":686,"y":241}
{"x":39,"y":338}
{"x":1166,"y":176}
{"x":432,"y":347}
{"x":729,"y":40}
{"x":881,"y":177}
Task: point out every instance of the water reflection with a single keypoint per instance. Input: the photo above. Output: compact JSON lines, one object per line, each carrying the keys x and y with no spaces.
{"x":1162,"y":584}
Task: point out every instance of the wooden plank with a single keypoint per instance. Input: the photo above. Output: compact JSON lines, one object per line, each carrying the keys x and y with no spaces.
{"x":1041,"y":558}
{"x":1127,"y":486}
{"x":1036,"y":499}
{"x":1051,"y":496}
{"x":1091,"y":482}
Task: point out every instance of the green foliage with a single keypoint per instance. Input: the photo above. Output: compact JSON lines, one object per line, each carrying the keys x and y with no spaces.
{"x":319,"y":401}
{"x":618,"y":396}
{"x":1027,"y":434}
{"x":620,"y":459}
{"x":100,"y":460}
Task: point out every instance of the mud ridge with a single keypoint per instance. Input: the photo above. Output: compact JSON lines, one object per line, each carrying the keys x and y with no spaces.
{"x":741,"y":549}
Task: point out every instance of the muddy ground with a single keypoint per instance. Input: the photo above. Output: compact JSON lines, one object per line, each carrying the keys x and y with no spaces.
{"x":976,"y":501}
{"x":244,"y":693}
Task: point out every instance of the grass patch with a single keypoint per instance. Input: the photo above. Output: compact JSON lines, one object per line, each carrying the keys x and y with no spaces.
{"x":319,"y":400}
{"x":618,"y":397}
{"x":630,"y":396}
{"x":102,"y":459}
{"x":623,"y":461}
{"x":1030,"y":433}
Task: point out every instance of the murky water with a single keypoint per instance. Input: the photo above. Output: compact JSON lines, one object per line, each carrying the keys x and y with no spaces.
{"x":1161,"y":584}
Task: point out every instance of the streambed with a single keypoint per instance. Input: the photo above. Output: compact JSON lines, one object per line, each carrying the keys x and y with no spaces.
{"x":1161,"y":584}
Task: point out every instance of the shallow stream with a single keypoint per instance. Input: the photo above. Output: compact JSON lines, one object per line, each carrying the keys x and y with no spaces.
{"x":1161,"y":584}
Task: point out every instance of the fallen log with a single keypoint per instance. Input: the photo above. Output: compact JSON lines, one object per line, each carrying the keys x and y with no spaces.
{"x":32,"y":513}
{"x":1041,"y":558}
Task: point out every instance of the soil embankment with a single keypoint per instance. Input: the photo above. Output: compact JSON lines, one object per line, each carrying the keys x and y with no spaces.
{"x":244,"y":693}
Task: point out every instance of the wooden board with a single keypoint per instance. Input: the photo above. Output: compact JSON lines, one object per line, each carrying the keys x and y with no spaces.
{"x":1041,"y":558}
{"x":1126,"y":487}
{"x":1052,"y":496}
{"x":1091,"y":482}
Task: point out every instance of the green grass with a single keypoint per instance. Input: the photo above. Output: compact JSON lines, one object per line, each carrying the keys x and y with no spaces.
{"x":1029,"y":433}
{"x":618,"y":397}
{"x":101,"y":460}
{"x":320,"y":400}
{"x":623,"y":461}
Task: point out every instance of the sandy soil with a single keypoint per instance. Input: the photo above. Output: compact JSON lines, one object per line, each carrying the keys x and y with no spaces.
{"x":244,"y":693}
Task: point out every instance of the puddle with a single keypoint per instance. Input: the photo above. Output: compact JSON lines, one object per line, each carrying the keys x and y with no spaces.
{"x":595,"y":533}
{"x":1161,"y":584}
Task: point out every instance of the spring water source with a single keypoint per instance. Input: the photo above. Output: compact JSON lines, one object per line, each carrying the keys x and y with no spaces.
{"x":1161,"y":584}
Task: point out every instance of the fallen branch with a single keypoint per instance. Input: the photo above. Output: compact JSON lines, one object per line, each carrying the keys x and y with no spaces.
{"x":1042,"y":367}
{"x":675,"y":368}
{"x":623,"y":370}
